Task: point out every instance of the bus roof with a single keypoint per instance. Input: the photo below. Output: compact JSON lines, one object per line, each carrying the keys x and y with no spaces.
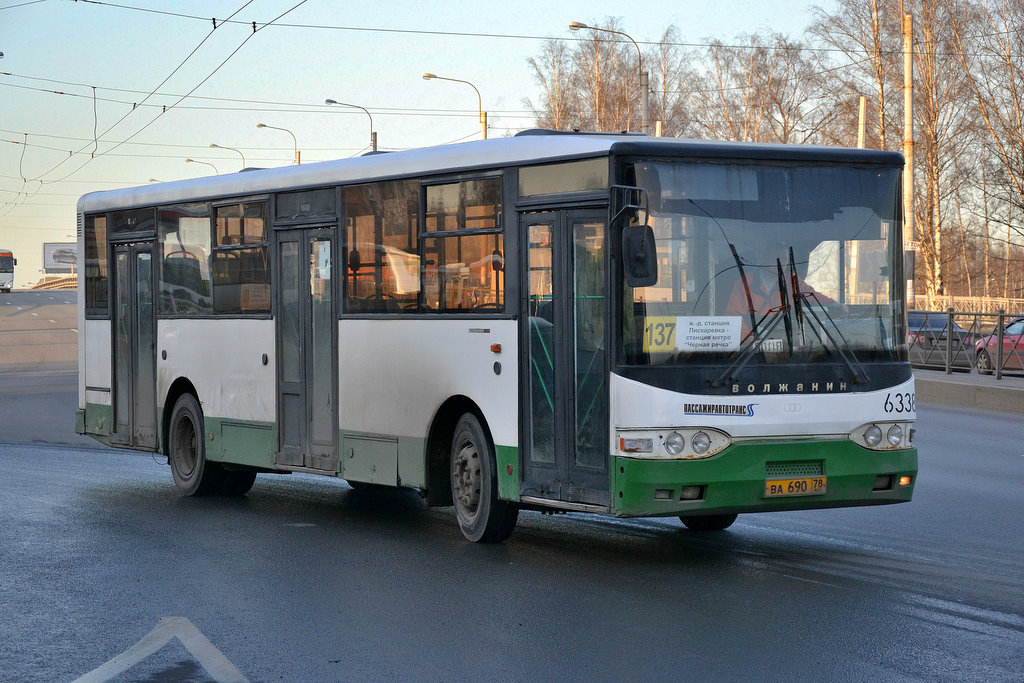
{"x":530,"y":147}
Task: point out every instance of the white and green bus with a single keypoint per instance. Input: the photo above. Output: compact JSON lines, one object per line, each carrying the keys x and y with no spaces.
{"x":548,"y":322}
{"x":7,"y":263}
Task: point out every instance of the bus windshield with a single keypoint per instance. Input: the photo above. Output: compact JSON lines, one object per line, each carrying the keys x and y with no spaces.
{"x":6,"y":263}
{"x":767,"y":263}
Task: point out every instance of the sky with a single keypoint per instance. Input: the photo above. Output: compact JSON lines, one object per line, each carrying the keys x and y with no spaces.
{"x":102,"y":95}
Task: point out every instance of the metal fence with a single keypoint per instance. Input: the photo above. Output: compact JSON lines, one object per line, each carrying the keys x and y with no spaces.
{"x":965,"y":341}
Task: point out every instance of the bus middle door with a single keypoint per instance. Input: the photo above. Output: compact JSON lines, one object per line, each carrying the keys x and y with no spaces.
{"x":307,"y":326}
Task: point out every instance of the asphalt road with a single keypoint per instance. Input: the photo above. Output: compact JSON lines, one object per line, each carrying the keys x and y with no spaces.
{"x":306,"y":579}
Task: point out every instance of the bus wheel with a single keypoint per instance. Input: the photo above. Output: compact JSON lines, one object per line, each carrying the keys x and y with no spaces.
{"x":186,"y":450}
{"x":482,"y":517}
{"x":237,"y":482}
{"x":708,"y":522}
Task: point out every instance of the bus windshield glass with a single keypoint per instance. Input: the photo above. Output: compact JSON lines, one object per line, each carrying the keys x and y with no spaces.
{"x":767,"y":263}
{"x":6,"y":263}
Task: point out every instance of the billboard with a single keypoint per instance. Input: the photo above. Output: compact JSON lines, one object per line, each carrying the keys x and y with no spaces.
{"x":59,"y":257}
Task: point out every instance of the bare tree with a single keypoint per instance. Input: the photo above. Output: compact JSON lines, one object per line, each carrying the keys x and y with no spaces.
{"x":867,"y":33}
{"x":593,"y":83}
{"x":553,"y":72}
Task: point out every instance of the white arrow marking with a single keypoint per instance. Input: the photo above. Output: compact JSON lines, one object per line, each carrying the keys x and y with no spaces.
{"x":216,"y":664}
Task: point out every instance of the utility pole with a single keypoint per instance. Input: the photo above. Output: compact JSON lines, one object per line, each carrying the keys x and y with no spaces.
{"x":908,"y":134}
{"x":861,"y":123}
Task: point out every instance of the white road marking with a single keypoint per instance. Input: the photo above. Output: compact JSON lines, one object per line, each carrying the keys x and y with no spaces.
{"x":206,"y":653}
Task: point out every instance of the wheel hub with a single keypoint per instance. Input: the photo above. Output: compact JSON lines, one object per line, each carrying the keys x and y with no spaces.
{"x":466,"y":478}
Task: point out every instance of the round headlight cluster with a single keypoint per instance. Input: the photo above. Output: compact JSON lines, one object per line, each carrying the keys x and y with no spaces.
{"x":675,"y":443}
{"x":701,"y":443}
{"x":895,"y":435}
{"x":873,"y":435}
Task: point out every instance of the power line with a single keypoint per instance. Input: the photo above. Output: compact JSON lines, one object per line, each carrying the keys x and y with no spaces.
{"x":204,"y":80}
{"x":508,"y":36}
{"x":282,"y":107}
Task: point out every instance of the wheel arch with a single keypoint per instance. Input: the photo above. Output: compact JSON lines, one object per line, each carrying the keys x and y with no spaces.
{"x":439,"y":442}
{"x":178,"y":387}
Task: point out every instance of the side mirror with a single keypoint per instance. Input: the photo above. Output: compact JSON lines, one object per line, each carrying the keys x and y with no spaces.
{"x":354,"y":261}
{"x":639,"y":256}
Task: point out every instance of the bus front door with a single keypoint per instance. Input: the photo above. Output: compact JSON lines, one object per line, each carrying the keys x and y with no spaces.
{"x":565,"y":366}
{"x":134,"y":349}
{"x":307,"y":367}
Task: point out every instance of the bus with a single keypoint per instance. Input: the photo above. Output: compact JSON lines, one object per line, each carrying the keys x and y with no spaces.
{"x":7,"y":263}
{"x":548,"y":322}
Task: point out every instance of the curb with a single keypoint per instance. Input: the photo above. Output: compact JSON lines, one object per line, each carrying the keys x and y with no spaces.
{"x":972,"y":391}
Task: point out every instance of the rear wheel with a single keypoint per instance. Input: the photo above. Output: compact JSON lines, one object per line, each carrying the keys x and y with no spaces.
{"x":186,"y":451}
{"x":983,"y":362}
{"x":708,"y":522}
{"x":482,"y":517}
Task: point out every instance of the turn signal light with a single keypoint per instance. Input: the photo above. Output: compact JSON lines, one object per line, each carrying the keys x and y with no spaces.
{"x":905,"y":480}
{"x":636,"y":445}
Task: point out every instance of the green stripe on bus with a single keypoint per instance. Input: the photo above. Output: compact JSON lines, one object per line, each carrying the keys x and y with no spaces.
{"x":734,"y":480}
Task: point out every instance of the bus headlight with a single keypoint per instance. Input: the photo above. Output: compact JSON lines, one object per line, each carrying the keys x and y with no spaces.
{"x":701,"y":443}
{"x":884,"y":436}
{"x":680,"y":443}
{"x":675,"y":443}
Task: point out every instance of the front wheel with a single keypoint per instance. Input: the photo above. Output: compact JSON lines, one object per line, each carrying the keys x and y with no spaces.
{"x":708,"y":522}
{"x":193,"y":474}
{"x":482,"y":517}
{"x":983,"y":363}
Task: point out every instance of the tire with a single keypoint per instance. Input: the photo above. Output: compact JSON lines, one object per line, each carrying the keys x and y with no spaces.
{"x":983,"y":363}
{"x":482,"y":517}
{"x":237,"y":482}
{"x":186,"y":451}
{"x":708,"y":522}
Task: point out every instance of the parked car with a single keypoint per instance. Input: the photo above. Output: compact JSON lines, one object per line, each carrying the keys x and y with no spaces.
{"x":1013,"y":348}
{"x":927,"y":339}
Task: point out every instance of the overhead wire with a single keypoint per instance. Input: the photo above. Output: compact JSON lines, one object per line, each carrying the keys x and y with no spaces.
{"x":511,"y":36}
{"x":168,"y":77}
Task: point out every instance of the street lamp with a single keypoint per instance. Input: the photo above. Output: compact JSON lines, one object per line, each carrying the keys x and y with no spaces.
{"x":480,"y":102}
{"x":195,"y":161}
{"x":644,"y":87}
{"x":294,"y":141}
{"x":373,"y":134}
{"x":216,"y":146}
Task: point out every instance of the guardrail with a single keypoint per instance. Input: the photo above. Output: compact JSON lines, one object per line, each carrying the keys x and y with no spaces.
{"x":69,"y":282}
{"x":989,"y":343}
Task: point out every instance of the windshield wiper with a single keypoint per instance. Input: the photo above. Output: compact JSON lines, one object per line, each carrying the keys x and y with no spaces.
{"x":746,"y":288}
{"x":844,"y":349}
{"x":784,"y":302}
{"x":773,"y":316}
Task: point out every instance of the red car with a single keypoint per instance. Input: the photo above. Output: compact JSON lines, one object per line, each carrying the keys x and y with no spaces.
{"x":1013,"y":349}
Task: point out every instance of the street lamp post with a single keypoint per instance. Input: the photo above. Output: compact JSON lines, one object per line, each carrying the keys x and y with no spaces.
{"x":373,"y":133}
{"x":295,"y":142}
{"x":239,"y":152}
{"x":479,"y":100}
{"x":207,"y":163}
{"x":644,"y":79}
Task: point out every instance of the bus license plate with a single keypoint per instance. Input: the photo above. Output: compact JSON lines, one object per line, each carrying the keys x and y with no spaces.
{"x":804,"y":486}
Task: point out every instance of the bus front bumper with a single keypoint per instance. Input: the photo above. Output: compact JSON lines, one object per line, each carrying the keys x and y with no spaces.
{"x":764,"y":476}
